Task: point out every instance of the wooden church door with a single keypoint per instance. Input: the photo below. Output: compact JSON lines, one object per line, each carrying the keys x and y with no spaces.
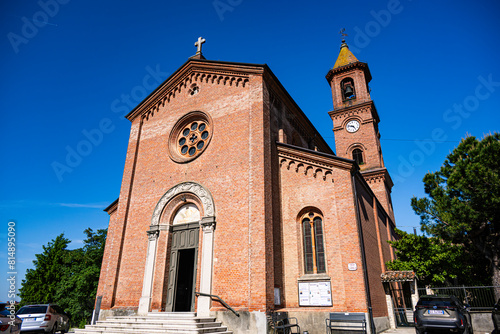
{"x":182,"y":272}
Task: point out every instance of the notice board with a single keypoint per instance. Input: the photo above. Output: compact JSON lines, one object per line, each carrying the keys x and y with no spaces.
{"x":315,"y":294}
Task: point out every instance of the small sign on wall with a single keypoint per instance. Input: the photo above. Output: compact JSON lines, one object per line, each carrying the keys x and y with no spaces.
{"x":315,"y":294}
{"x":352,"y":266}
{"x":277,"y":296}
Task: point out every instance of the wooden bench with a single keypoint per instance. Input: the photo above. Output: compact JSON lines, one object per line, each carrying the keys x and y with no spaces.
{"x":282,"y":323}
{"x":346,"y":323}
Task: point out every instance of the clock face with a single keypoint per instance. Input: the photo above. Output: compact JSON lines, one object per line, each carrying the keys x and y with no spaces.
{"x":352,"y":126}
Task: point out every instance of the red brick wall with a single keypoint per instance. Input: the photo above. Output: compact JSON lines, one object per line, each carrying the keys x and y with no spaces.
{"x":117,"y":226}
{"x":382,"y":221}
{"x":232,"y":168}
{"x":372,"y":252}
{"x":382,"y":191}
{"x":341,"y":240}
{"x":105,"y":288}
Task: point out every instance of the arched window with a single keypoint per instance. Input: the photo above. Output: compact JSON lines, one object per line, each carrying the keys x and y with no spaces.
{"x":314,"y":251}
{"x":347,"y":89}
{"x":357,"y":155}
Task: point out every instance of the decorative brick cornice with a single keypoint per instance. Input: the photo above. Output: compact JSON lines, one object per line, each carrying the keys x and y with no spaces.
{"x":378,"y":175}
{"x":367,"y":109}
{"x":357,"y":65}
{"x":192,"y":71}
{"x":318,"y":165}
{"x":112,"y":207}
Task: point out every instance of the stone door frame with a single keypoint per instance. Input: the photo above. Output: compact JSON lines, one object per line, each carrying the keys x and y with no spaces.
{"x":207,"y":224}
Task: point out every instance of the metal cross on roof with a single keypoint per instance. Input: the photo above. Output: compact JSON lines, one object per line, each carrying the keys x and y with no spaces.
{"x":198,"y":44}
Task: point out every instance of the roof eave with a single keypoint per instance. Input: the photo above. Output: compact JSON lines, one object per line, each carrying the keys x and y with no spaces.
{"x":192,"y":62}
{"x":358,"y":64}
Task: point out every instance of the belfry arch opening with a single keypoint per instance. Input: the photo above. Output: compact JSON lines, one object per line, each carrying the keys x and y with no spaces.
{"x":347,"y":89}
{"x":357,"y":155}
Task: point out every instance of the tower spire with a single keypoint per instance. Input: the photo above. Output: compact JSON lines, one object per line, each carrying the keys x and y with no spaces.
{"x":345,"y":56}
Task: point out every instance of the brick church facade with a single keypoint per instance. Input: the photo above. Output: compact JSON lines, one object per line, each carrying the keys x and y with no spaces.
{"x":229,"y":190}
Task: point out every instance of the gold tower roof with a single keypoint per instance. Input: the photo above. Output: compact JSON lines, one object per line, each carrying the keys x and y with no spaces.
{"x":345,"y":56}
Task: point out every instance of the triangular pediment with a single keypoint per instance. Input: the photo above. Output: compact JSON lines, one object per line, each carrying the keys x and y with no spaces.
{"x":195,"y":70}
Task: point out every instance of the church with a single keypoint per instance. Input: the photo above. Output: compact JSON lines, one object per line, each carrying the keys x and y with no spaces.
{"x":233,"y":206}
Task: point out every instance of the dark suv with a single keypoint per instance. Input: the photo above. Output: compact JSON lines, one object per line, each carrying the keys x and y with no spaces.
{"x":442,"y":313}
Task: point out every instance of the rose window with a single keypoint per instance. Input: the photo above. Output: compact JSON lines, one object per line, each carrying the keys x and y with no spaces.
{"x":190,"y":136}
{"x":193,"y":138}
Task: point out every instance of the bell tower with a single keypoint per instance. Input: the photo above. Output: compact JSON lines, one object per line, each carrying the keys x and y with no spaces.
{"x":355,"y":122}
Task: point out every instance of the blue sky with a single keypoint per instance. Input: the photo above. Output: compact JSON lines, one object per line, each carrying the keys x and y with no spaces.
{"x":71,"y":67}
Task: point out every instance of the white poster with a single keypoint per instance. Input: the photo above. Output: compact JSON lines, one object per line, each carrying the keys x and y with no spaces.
{"x":304,"y":294}
{"x":315,"y":294}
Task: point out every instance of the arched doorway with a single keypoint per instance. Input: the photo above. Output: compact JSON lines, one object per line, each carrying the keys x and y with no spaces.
{"x":178,"y":217}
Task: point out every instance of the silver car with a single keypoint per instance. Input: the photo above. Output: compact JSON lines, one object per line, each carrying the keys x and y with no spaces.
{"x":47,"y":318}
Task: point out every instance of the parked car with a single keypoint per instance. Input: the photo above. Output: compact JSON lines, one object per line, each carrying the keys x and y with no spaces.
{"x":9,"y":323}
{"x":48,"y":318}
{"x":442,"y":313}
{"x":495,"y":316}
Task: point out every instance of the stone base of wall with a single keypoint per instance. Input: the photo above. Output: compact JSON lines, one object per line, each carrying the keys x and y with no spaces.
{"x":258,"y":323}
{"x":381,"y":324}
{"x":246,"y":323}
{"x":117,"y":312}
{"x":314,"y":322}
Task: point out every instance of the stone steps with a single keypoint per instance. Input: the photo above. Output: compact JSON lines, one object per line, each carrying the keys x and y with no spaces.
{"x":156,"y":323}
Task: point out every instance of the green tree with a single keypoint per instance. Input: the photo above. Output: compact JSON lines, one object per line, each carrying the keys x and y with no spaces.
{"x":41,"y":283}
{"x":437,"y":262}
{"x":78,"y":287}
{"x":67,"y":277}
{"x":463,"y":200}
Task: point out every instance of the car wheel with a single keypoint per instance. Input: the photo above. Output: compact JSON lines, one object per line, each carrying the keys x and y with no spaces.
{"x":54,"y":329}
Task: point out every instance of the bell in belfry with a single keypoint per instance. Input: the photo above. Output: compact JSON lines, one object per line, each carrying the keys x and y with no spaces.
{"x":348,"y":91}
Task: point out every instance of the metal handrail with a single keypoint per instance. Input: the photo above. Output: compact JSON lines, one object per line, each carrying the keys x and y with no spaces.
{"x":217,"y":298}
